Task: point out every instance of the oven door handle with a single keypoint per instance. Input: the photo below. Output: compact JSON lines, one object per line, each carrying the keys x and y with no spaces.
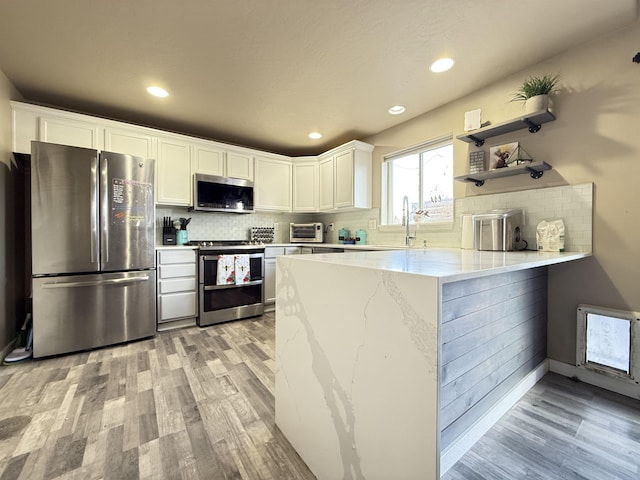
{"x":207,"y":288}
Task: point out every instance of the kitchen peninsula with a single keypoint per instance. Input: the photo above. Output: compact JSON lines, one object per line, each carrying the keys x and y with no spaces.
{"x":388,"y":362}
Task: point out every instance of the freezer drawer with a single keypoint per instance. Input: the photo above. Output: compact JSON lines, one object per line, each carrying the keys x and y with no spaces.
{"x":80,"y":312}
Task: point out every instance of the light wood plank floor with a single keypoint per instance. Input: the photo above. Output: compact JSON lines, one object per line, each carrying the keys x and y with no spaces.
{"x":189,"y":404}
{"x":198,"y":404}
{"x":560,"y":430}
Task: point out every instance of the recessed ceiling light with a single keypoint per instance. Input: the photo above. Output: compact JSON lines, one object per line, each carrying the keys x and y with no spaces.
{"x":315,"y":135}
{"x":157,"y":92}
{"x":396,"y":110}
{"x":442,"y":65}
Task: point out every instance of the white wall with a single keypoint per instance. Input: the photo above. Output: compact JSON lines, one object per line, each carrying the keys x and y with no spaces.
{"x":594,"y":139}
{"x":8,"y":288}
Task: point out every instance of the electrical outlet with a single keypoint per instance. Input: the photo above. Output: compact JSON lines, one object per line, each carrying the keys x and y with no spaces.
{"x":373,"y":224}
{"x":275,"y":226}
{"x":330,"y":226}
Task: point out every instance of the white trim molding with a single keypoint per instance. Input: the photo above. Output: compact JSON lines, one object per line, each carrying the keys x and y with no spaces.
{"x":593,"y":378}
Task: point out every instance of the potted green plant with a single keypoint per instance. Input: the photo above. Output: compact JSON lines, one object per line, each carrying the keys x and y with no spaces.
{"x":535,"y":91}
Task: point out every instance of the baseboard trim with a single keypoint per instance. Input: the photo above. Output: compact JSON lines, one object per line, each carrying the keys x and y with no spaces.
{"x":596,"y":379}
{"x":457,"y":449}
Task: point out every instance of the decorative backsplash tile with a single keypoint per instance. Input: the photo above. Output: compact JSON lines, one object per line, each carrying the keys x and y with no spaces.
{"x":228,"y":226}
{"x":571,"y":203}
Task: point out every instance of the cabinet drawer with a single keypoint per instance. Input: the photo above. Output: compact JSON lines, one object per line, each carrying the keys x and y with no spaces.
{"x":272,"y":252}
{"x":176,"y":256}
{"x":180,"y":270}
{"x":177,"y":305}
{"x":185,"y":284}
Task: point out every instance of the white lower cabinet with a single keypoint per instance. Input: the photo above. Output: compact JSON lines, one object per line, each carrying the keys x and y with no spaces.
{"x":270,"y":254}
{"x":177,"y":288}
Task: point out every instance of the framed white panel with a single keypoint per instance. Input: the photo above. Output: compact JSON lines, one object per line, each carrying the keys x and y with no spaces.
{"x":606,"y":338}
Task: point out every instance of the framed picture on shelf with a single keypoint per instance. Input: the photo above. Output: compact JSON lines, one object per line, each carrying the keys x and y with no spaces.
{"x":500,"y":155}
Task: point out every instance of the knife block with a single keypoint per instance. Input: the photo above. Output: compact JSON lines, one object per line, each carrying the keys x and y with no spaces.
{"x":169,"y":236}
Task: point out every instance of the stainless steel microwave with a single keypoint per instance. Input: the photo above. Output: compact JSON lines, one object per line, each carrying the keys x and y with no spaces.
{"x":306,"y":232}
{"x":212,"y":193}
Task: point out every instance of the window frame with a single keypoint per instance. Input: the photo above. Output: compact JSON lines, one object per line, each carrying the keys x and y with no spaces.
{"x":387,"y":178}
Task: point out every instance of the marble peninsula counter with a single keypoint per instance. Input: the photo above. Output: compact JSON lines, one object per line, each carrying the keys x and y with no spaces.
{"x":390,"y":363}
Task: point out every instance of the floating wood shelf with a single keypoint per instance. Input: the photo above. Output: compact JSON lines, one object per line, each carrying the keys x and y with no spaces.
{"x":531,"y":121}
{"x":534,"y":169}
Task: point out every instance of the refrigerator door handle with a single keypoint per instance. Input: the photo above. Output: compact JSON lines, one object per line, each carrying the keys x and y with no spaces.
{"x":95,"y":254}
{"x":104,"y":192}
{"x":97,"y":283}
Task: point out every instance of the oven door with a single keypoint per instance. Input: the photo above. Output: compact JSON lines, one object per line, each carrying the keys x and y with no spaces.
{"x":220,"y":303}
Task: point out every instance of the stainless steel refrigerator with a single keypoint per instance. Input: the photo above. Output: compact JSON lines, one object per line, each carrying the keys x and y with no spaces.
{"x":93,"y":248}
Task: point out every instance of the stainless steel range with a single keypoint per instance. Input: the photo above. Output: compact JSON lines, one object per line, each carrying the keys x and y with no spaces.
{"x":230,"y":279}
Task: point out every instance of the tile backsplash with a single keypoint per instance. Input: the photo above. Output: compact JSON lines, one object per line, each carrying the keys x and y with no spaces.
{"x":228,"y":226}
{"x":571,"y":203}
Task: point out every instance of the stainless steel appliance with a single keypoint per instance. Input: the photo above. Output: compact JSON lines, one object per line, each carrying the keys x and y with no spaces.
{"x":499,"y":230}
{"x":306,"y":232}
{"x":220,"y":303}
{"x":93,"y":241}
{"x":212,"y":193}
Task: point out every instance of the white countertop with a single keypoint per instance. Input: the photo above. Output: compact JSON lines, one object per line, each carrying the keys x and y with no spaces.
{"x":337,"y":245}
{"x":176,"y":247}
{"x":446,"y":264}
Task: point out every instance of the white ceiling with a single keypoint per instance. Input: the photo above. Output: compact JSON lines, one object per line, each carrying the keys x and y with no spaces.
{"x":265,"y":73}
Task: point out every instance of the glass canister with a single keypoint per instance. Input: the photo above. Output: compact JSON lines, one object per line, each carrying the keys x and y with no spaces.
{"x":343,"y":234}
{"x":361,"y":237}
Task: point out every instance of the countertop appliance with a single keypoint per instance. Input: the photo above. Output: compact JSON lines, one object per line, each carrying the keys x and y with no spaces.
{"x":306,"y":232}
{"x":499,"y":230}
{"x":223,"y":302}
{"x":212,"y":193}
{"x":92,"y":248}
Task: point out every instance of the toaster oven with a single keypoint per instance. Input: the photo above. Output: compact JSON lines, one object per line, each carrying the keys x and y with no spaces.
{"x":306,"y":232}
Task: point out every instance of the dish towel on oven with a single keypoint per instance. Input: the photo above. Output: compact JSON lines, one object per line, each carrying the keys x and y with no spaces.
{"x":226,"y":270}
{"x":243,"y":269}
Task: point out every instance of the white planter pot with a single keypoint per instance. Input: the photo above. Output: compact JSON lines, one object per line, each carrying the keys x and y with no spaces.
{"x":536,"y":104}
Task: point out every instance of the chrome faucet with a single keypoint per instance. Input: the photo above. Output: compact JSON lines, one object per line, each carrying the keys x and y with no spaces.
{"x":405,"y":221}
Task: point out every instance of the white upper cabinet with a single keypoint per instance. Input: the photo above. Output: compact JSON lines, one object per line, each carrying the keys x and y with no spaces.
{"x":272,"y":190}
{"x":325,"y":174}
{"x":31,"y":122}
{"x":66,"y":131}
{"x":130,"y":141}
{"x":339,"y":179}
{"x":173,"y":172}
{"x":208,"y":158}
{"x":214,"y":159}
{"x":343,"y":186}
{"x":345,"y":177}
{"x":305,"y":186}
{"x":239,"y":165}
